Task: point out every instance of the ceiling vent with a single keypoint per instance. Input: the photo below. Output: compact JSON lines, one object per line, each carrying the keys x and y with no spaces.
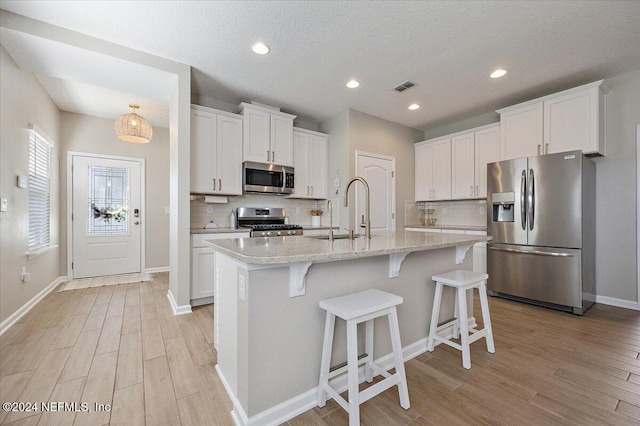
{"x":403,"y":86}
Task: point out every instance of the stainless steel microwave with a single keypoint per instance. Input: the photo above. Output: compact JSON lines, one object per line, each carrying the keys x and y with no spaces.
{"x":267,"y":178}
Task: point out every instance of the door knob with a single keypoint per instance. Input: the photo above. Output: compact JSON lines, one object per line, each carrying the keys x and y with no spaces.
{"x":136,"y":222}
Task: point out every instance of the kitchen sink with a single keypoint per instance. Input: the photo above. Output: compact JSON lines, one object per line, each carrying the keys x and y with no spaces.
{"x":335,"y":236}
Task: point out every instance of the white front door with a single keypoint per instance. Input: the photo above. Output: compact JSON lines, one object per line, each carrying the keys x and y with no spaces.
{"x":106,"y":216}
{"x":379,"y":172}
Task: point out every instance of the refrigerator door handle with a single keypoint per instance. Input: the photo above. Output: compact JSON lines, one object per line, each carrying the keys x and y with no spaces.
{"x":530,"y":201}
{"x":536,"y":252}
{"x":523,"y":204}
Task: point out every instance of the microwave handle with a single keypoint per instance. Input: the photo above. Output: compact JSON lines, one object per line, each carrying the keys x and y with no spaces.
{"x":284,"y":179}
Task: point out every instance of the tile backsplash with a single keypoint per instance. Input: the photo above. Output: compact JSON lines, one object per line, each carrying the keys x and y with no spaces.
{"x":458,"y":212}
{"x":202,"y":213}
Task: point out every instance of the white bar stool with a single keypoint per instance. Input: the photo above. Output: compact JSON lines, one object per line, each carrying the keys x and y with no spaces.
{"x":354,"y":309}
{"x":462,"y":281}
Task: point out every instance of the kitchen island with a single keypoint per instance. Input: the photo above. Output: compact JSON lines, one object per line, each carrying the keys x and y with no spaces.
{"x":269,"y":326}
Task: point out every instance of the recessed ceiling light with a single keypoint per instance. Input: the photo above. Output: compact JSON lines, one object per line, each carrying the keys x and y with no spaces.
{"x":352,"y":84}
{"x":260,"y":48}
{"x":414,"y":106}
{"x":498,"y":73}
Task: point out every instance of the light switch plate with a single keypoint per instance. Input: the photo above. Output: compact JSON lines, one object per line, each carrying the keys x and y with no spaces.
{"x":167,"y":210}
{"x":481,"y":210}
{"x":4,"y":204}
{"x":444,"y":210}
{"x":23,"y":181}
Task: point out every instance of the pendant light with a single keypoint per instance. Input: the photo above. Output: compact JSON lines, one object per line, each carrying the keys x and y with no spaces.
{"x":132,"y":127}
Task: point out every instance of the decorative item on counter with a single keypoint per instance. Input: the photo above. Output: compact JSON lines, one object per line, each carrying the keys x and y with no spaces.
{"x":232,"y":219}
{"x":316,"y":217}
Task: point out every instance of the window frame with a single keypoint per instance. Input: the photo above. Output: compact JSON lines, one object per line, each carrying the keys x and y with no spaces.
{"x":39,"y":172}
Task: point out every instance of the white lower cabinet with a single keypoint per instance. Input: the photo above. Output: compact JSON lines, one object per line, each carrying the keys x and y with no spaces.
{"x":203,"y":266}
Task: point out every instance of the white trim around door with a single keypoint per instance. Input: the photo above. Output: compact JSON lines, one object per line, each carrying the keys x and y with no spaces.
{"x":638,"y":216}
{"x":142,"y":218}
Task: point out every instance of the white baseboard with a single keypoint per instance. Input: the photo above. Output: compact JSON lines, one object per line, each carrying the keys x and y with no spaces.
{"x":620,"y":303}
{"x":13,"y":318}
{"x":156,"y":270}
{"x":297,"y":405}
{"x":177,"y":310}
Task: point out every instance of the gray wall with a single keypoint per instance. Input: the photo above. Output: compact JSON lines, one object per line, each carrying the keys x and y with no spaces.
{"x":616,"y":192}
{"x":372,"y":134}
{"x":24,"y":101}
{"x":352,"y":131}
{"x":337,"y":128}
{"x":83,"y":133}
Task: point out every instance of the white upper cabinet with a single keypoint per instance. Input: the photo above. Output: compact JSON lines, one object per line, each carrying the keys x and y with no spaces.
{"x":311,"y":164}
{"x":462,"y":166}
{"x":470,"y":153}
{"x":216,"y":152}
{"x":487,"y":150}
{"x":433,"y":170}
{"x":268,"y":135}
{"x":565,"y":121}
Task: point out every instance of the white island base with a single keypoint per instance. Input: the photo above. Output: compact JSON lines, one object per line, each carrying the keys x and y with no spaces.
{"x":270,"y":344}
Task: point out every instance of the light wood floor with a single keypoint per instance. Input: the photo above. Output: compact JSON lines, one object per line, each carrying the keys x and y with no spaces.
{"x":121,"y":345}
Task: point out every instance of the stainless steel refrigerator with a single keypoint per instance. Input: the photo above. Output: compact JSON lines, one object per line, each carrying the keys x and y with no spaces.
{"x":541,"y":215}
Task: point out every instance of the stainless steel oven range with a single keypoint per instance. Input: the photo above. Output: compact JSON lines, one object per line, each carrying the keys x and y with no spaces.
{"x":266,"y":222}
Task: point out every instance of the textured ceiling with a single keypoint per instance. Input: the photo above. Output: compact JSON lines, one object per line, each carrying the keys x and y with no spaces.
{"x":447,"y":48}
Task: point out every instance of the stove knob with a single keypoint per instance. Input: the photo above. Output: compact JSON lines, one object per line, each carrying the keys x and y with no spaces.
{"x":279,"y":233}
{"x":263,"y":234}
{"x":290,"y":233}
{"x":268,"y":233}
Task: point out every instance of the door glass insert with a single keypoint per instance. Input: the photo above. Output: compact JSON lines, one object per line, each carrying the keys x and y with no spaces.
{"x":108,"y":200}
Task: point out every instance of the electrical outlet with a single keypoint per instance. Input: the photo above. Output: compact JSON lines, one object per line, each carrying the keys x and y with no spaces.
{"x":481,"y":210}
{"x":4,"y":204}
{"x":444,"y":210}
{"x":167,"y":210}
{"x":242,"y":290}
{"x":209,"y":209}
{"x":297,"y":210}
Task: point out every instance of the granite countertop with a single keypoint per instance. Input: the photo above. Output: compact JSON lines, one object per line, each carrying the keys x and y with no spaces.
{"x":217,"y":230}
{"x":229,"y":230}
{"x":463,"y":227}
{"x":282,"y":250}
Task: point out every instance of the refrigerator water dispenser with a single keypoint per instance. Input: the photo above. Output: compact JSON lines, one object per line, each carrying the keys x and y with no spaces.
{"x":503,"y":206}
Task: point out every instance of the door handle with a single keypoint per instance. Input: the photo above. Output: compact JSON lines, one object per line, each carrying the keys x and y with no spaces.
{"x":273,"y":156}
{"x":538,"y":149}
{"x":476,"y":190}
{"x":284,"y":178}
{"x":219,"y":184}
{"x":471,"y":190}
{"x":307,"y":189}
{"x":311,"y":190}
{"x":214,"y":184}
{"x":536,"y":252}
{"x":268,"y":155}
{"x":546,"y":148}
{"x":523,"y":204}
{"x":531,"y":201}
{"x":136,"y":222}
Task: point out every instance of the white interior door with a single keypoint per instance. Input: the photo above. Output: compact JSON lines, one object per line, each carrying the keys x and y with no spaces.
{"x":379,"y":172}
{"x":106,"y":216}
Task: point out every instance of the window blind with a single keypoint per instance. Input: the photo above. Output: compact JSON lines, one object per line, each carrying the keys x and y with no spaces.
{"x":39,"y":189}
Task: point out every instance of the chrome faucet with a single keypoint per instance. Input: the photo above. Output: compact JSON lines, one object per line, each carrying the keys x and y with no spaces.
{"x":367,"y":222}
{"x":330,"y":210}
